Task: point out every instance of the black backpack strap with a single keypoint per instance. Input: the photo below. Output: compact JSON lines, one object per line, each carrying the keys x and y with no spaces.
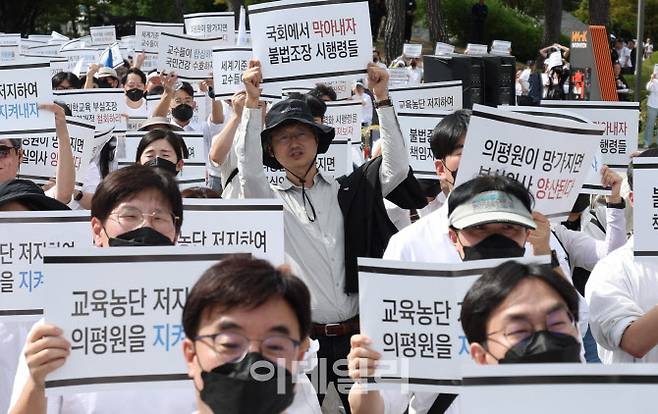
{"x":230,"y":177}
{"x":442,"y":403}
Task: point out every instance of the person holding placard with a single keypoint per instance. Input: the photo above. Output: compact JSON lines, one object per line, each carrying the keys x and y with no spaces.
{"x":328,"y":223}
{"x":241,"y":314}
{"x":514,"y":313}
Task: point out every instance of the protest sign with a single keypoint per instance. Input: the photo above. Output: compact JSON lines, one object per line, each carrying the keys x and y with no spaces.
{"x":9,"y":53}
{"x":23,"y":86}
{"x":411,"y":311}
{"x":80,"y":59}
{"x":105,"y":107}
{"x":217,"y":222}
{"x":228,"y":63}
{"x":25,"y":235}
{"x":621,"y":122}
{"x":10,"y":39}
{"x":190,"y":57}
{"x":323,"y":40}
{"x":552,"y":165}
{"x":417,"y":131}
{"x":102,"y":35}
{"x":555,"y":388}
{"x":100,"y":139}
{"x":211,"y":25}
{"x":119,"y":318}
{"x":28,"y":43}
{"x":345,"y":117}
{"x":412,"y":50}
{"x":147,"y":37}
{"x":397,"y":77}
{"x":116,"y":60}
{"x":47,"y":50}
{"x":501,"y":47}
{"x":428,"y":98}
{"x":57,"y":63}
{"x":80,"y":42}
{"x":135,"y":122}
{"x":645,"y":208}
{"x":443,"y":49}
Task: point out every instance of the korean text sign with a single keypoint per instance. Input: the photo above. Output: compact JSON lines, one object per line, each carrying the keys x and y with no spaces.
{"x":645,"y":208}
{"x":121,"y":311}
{"x":105,"y":107}
{"x":228,"y":64}
{"x":190,"y":57}
{"x":147,"y":34}
{"x":207,"y":25}
{"x":550,"y":157}
{"x":428,"y":98}
{"x":417,"y":132}
{"x":22,"y":88}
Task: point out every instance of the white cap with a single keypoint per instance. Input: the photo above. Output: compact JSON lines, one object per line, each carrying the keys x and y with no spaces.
{"x":491,"y":207}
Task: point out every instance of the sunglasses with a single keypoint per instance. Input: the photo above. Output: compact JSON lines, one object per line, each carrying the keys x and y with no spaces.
{"x":5,"y":150}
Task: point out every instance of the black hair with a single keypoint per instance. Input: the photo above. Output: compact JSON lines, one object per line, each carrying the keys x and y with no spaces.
{"x":65,"y":107}
{"x":187,"y":88}
{"x":463,"y":193}
{"x":321,"y":90}
{"x":200,"y":192}
{"x":495,"y":285}
{"x":70,"y":77}
{"x":240,"y":282}
{"x":157,"y":134}
{"x":448,"y":132}
{"x":137,"y":72}
{"x":128,"y":182}
{"x":156,"y":90}
{"x":651,"y":152}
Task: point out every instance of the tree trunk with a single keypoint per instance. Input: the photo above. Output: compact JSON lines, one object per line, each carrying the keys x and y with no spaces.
{"x":394,"y":31}
{"x":552,"y":21}
{"x":234,"y":5}
{"x":599,"y":12}
{"x":436,"y":24}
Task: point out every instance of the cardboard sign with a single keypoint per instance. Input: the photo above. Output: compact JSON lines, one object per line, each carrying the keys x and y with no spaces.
{"x":23,"y":86}
{"x":102,"y":35}
{"x":217,"y":222}
{"x":417,"y":131}
{"x":190,"y":57}
{"x":228,"y":65}
{"x":119,"y":318}
{"x":105,"y":107}
{"x":211,"y":25}
{"x":24,"y":283}
{"x":412,"y":50}
{"x":411,"y":311}
{"x":428,"y":98}
{"x":553,"y":165}
{"x":621,"y":121}
{"x":323,"y":39}
{"x":645,"y":208}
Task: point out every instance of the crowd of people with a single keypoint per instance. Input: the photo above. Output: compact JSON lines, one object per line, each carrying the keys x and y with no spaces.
{"x":593,"y":303}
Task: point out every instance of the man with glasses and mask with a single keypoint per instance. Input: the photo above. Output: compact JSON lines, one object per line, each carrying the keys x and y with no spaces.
{"x":514,"y":313}
{"x":243,"y":317}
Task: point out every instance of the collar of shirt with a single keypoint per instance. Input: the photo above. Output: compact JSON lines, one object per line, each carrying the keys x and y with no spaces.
{"x":187,"y":127}
{"x":288,"y":185}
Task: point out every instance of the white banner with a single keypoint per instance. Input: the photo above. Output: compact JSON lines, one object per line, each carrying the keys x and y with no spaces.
{"x":103,"y":35}
{"x":621,"y":121}
{"x":216,"y":222}
{"x":412,"y":50}
{"x":553,"y":164}
{"x":228,"y":65}
{"x":10,"y":38}
{"x":22,"y":88}
{"x":120,"y":319}
{"x":214,"y":24}
{"x":417,"y":131}
{"x":645,"y":208}
{"x":296,"y":40}
{"x":147,"y":34}
{"x":24,"y":283}
{"x":105,"y":107}
{"x":9,"y":53}
{"x":190,"y":57}
{"x":87,"y":55}
{"x":427,"y":98}
{"x":411,"y":311}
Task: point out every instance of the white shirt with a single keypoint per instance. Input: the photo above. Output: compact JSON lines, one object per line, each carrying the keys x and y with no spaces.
{"x":415,"y":75}
{"x":13,"y":335}
{"x":317,"y":247}
{"x":524,"y":80}
{"x":433,"y":205}
{"x":209,"y":129}
{"x":625,"y":57}
{"x":619,"y":291}
{"x":139,"y":112}
{"x":366,"y":107}
{"x":399,"y":216}
{"x":652,"y":88}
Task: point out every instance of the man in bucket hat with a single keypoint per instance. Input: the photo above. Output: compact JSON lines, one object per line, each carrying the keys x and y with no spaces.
{"x":327,"y":222}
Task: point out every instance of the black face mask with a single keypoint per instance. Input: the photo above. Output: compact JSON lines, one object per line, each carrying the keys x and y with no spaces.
{"x":135,"y":94}
{"x":231,"y":389}
{"x":544,"y":346}
{"x":143,"y":236}
{"x":183,"y":112}
{"x":495,"y":246}
{"x":163,"y":163}
{"x":102,"y":83}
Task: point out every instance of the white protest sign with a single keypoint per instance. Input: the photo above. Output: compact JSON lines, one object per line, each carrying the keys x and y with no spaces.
{"x":559,"y":388}
{"x":216,"y":222}
{"x":117,"y":57}
{"x":645,"y":208}
{"x":227,"y":65}
{"x":324,"y":40}
{"x":621,"y":121}
{"x":80,"y":42}
{"x":147,"y":36}
{"x":190,"y":57}
{"x":345,"y":117}
{"x":28,"y":43}
{"x":397,"y":77}
{"x":551,"y":157}
{"x":135,"y":122}
{"x":23,"y":87}
{"x":411,"y":311}
{"x":80,"y":59}
{"x":40,"y":37}
{"x":103,"y":35}
{"x":501,"y":47}
{"x":10,"y":38}
{"x":427,"y":98}
{"x":443,"y":49}
{"x":417,"y":131}
{"x":23,"y":281}
{"x":100,"y":139}
{"x":412,"y":50}
{"x":207,"y":25}
{"x":47,"y":50}
{"x":592,"y":184}
{"x":57,"y":63}
{"x":119,"y":318}
{"x":9,"y":53}
{"x":105,"y":107}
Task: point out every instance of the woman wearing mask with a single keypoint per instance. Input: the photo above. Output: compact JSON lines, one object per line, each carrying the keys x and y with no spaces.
{"x":161,"y":148}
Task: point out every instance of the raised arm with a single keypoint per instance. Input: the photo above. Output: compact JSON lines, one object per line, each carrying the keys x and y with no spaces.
{"x":217,"y":111}
{"x":222,"y":142}
{"x":65,"y":173}
{"x":89,"y":79}
{"x":168,"y":83}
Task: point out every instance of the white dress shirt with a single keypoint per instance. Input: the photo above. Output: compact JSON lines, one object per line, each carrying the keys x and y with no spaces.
{"x":652,"y":87}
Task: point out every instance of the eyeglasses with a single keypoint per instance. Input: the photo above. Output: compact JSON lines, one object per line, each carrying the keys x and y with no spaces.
{"x":132,"y":218}
{"x":5,"y":150}
{"x":559,"y":321}
{"x":233,"y":347}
